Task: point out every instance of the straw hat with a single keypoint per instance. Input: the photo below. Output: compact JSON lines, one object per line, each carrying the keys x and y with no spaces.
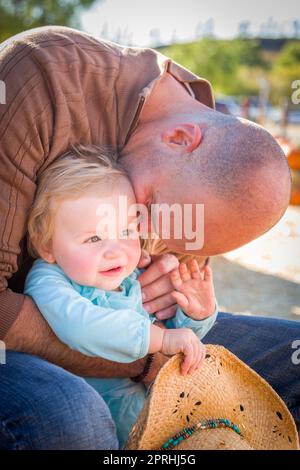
{"x":232,"y":405}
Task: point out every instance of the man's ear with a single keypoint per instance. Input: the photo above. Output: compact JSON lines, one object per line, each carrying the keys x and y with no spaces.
{"x":185,"y":136}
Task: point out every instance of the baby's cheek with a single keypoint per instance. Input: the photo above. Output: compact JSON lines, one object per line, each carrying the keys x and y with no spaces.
{"x":79,"y":266}
{"x":134,"y":251}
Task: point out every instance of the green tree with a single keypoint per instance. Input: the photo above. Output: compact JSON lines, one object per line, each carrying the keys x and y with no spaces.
{"x":286,"y":70}
{"x":19,"y":15}
{"x":221,"y":62}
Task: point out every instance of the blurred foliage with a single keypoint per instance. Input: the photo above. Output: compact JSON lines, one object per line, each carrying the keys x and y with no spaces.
{"x":220,"y":61}
{"x":235,"y":67}
{"x":19,"y":15}
{"x":286,"y":69}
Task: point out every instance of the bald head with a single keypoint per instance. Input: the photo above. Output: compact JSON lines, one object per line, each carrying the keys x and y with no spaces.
{"x":242,"y":164}
{"x":234,"y":148}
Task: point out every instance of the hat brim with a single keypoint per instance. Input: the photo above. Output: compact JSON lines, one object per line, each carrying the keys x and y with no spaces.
{"x":214,"y":439}
{"x":224,"y":387}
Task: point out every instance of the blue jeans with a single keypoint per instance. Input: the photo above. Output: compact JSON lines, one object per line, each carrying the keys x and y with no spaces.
{"x":44,"y":407}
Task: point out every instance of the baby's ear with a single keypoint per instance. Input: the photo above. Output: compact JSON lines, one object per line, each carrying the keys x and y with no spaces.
{"x":45,"y":253}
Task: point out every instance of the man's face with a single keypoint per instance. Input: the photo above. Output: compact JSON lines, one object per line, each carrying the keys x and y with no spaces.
{"x":191,"y":222}
{"x":191,"y":219}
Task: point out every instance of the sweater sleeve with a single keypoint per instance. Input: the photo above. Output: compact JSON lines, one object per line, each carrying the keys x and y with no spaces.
{"x":120,"y":335}
{"x":25,"y":116}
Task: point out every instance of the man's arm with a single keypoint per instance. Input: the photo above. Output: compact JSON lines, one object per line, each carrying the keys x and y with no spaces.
{"x":30,"y":333}
{"x":26,"y":129}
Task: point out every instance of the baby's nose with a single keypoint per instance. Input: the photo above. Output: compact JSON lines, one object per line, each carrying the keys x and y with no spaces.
{"x":112,"y":252}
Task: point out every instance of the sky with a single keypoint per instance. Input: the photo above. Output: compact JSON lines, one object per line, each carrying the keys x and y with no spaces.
{"x":139,"y":21}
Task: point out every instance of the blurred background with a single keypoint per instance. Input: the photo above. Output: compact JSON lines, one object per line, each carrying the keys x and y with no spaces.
{"x":250,"y":52}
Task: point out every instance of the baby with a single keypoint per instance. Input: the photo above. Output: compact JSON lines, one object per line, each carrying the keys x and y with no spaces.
{"x":85,"y":280}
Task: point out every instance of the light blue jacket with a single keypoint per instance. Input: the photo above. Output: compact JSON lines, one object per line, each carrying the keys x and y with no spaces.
{"x":108,"y":324}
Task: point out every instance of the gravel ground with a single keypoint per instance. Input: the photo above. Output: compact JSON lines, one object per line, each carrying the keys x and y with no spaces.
{"x":263,"y":277}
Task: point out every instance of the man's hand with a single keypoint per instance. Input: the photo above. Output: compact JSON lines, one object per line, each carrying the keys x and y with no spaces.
{"x":156,"y":284}
{"x":196,"y":296}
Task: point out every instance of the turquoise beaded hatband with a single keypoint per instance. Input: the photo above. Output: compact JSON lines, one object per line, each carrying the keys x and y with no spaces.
{"x":206,"y":424}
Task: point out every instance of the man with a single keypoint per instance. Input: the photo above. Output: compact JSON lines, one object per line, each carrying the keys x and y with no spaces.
{"x":62,"y":87}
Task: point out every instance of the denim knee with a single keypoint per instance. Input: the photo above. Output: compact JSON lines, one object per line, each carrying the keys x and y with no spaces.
{"x":46,"y":407}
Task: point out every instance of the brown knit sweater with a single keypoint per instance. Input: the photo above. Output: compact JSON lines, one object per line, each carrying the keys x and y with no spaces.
{"x":63,"y":86}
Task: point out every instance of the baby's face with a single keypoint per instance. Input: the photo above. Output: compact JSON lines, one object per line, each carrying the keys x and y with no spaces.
{"x":94,"y":242}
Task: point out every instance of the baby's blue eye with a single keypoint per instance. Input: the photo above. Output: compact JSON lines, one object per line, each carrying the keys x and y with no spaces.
{"x":94,"y":239}
{"x":127,"y":232}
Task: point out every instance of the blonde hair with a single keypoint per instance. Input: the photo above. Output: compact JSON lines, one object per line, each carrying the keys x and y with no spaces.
{"x":72,"y":174}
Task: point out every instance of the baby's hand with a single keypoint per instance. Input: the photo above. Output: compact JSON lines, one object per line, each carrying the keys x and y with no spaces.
{"x":193,"y":294}
{"x":184,"y":340}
